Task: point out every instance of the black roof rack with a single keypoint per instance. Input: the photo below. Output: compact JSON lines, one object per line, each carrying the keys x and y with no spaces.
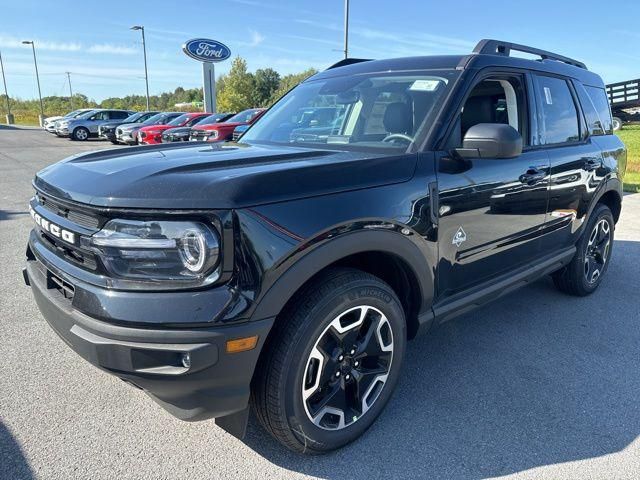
{"x":348,"y":61}
{"x":497,"y":47}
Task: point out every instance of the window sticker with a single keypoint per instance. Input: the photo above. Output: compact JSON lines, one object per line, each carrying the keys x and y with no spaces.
{"x":547,"y":95}
{"x":424,"y":85}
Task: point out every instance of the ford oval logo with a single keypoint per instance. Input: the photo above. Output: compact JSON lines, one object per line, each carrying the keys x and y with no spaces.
{"x":206,"y":50}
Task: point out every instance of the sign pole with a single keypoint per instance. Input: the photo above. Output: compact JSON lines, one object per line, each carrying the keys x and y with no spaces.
{"x":209,"y":87}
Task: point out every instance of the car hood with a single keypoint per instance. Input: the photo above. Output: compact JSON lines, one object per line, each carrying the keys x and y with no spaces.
{"x":146,"y":128}
{"x":130,"y":126}
{"x":178,"y":130}
{"x":215,"y":126}
{"x":215,"y":176}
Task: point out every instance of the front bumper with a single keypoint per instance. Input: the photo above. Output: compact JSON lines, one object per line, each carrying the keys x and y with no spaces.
{"x":213,"y":383}
{"x":126,"y":137}
{"x":111,"y":136}
{"x":62,"y":131}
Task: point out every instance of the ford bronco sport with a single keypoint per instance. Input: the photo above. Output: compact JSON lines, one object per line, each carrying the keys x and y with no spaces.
{"x":289,"y":270}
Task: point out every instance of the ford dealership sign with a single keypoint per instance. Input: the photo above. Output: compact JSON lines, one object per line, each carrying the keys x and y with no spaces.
{"x":206,"y":50}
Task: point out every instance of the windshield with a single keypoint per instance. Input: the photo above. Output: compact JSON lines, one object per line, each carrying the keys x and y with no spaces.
{"x":244,"y":116}
{"x":133,"y":118}
{"x":383,"y":111}
{"x":158,"y":117}
{"x":75,"y":113}
{"x":85,"y":115}
{"x":176,"y":122}
{"x":215,"y":118}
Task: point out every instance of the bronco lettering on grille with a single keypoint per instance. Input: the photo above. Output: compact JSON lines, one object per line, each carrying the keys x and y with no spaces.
{"x":52,"y":228}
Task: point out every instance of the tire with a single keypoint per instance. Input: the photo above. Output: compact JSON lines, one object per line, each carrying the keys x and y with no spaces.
{"x":617,"y":124}
{"x":80,"y":134}
{"x":585,"y":272}
{"x":114,"y":142}
{"x":291,"y":381}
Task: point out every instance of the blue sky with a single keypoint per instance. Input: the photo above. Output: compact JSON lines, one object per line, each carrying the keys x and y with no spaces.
{"x":95,"y":44}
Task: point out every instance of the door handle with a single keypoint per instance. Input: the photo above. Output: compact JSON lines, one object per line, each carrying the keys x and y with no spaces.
{"x":533,"y":175}
{"x":591,"y":164}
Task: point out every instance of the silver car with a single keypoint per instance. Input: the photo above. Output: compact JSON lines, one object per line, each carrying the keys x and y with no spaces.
{"x":50,"y":122}
{"x":127,"y":133}
{"x":86,"y":125}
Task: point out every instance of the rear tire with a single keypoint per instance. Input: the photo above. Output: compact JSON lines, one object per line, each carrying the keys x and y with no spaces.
{"x":585,"y":272}
{"x":617,"y":124}
{"x":332,"y":362}
{"x":80,"y":134}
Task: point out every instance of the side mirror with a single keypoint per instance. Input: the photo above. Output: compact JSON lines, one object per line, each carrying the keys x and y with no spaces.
{"x":491,"y":140}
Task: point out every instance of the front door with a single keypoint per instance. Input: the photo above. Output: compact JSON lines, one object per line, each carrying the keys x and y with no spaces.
{"x":491,"y":211}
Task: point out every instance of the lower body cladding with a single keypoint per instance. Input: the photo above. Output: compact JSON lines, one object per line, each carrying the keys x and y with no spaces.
{"x":188,"y":371}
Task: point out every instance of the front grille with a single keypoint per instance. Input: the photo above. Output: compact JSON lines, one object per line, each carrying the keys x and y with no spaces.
{"x":118,"y":131}
{"x":76,"y":216}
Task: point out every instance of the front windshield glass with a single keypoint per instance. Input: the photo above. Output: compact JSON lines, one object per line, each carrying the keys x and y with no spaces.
{"x":75,"y":113}
{"x":176,"y":122}
{"x":382,"y":111}
{"x":133,"y":118}
{"x":154,"y":120}
{"x":215,"y":118}
{"x":244,"y":116}
{"x":85,"y":115}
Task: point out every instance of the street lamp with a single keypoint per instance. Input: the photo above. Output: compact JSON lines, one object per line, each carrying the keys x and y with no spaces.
{"x":346,"y":28}
{"x":6,"y":95}
{"x":35,"y":62}
{"x":144,"y":50}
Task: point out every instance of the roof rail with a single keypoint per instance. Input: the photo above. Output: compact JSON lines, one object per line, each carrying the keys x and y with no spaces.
{"x":498,"y":47}
{"x":348,"y":61}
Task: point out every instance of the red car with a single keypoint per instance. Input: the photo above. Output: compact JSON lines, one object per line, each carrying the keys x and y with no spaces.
{"x":153,"y":133}
{"x":219,"y":132}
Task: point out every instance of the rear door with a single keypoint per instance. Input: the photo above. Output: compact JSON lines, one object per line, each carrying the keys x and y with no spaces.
{"x":575,"y":158}
{"x":491,"y":210}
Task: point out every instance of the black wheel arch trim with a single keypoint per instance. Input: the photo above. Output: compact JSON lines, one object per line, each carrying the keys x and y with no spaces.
{"x":299,"y":269}
{"x":613,"y":184}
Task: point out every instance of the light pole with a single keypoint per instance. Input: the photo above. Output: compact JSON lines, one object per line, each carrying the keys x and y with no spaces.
{"x":6,"y":95}
{"x":70,"y":91}
{"x":346,"y":28}
{"x":35,"y":62}
{"x":144,"y":50}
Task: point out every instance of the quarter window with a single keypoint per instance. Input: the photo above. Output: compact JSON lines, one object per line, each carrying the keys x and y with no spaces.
{"x":601,"y":103}
{"x":558,"y":114}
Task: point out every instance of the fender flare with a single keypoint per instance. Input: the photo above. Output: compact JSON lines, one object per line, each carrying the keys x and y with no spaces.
{"x":611,"y":185}
{"x":303,"y":265}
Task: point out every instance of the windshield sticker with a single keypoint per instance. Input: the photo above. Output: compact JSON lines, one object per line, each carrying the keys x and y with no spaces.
{"x":547,"y":95}
{"x":425,"y":85}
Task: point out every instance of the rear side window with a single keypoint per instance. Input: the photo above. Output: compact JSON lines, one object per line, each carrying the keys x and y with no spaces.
{"x":117,"y":115}
{"x":558,"y":114}
{"x":594,"y":125}
{"x":601,"y":103}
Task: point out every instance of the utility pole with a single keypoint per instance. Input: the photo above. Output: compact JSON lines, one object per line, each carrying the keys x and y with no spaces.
{"x":6,"y":95}
{"x":346,"y":28}
{"x":70,"y":91}
{"x":144,"y":50}
{"x":35,"y":62}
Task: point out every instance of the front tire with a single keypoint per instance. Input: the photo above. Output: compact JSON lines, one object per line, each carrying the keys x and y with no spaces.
{"x":617,"y":124}
{"x":80,"y":134}
{"x":585,"y":272}
{"x":332,"y":363}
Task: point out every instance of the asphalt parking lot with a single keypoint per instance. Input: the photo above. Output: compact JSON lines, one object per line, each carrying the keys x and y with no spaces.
{"x":537,"y":385}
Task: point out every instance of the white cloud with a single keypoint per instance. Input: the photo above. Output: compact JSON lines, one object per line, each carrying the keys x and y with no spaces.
{"x":112,"y":49}
{"x":256,"y":38}
{"x":14,"y":42}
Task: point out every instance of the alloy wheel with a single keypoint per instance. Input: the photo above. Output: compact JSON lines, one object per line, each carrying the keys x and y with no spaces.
{"x":347,"y":368}
{"x":597,"y":252}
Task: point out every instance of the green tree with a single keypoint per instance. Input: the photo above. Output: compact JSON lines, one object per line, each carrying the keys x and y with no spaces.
{"x":266,"y":82}
{"x":237,"y":90}
{"x":289,"y":81}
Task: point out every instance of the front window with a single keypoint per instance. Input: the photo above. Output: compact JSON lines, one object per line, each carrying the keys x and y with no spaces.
{"x":381,"y":111}
{"x":155,"y":119}
{"x":244,"y":116}
{"x":178,"y":121}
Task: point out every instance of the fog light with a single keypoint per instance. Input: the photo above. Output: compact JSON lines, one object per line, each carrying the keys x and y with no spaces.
{"x":186,"y":360}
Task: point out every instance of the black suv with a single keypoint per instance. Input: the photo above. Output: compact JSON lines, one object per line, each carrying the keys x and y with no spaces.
{"x":288,"y":271}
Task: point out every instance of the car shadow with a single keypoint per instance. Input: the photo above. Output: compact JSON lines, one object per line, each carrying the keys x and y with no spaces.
{"x":8,"y":214}
{"x":536,"y":378}
{"x":13,"y":463}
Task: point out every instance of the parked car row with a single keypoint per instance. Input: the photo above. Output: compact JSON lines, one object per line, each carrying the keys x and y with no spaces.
{"x":152,"y":127}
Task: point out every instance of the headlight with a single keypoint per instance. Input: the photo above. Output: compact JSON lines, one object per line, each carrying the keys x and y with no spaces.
{"x":167,"y":254}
